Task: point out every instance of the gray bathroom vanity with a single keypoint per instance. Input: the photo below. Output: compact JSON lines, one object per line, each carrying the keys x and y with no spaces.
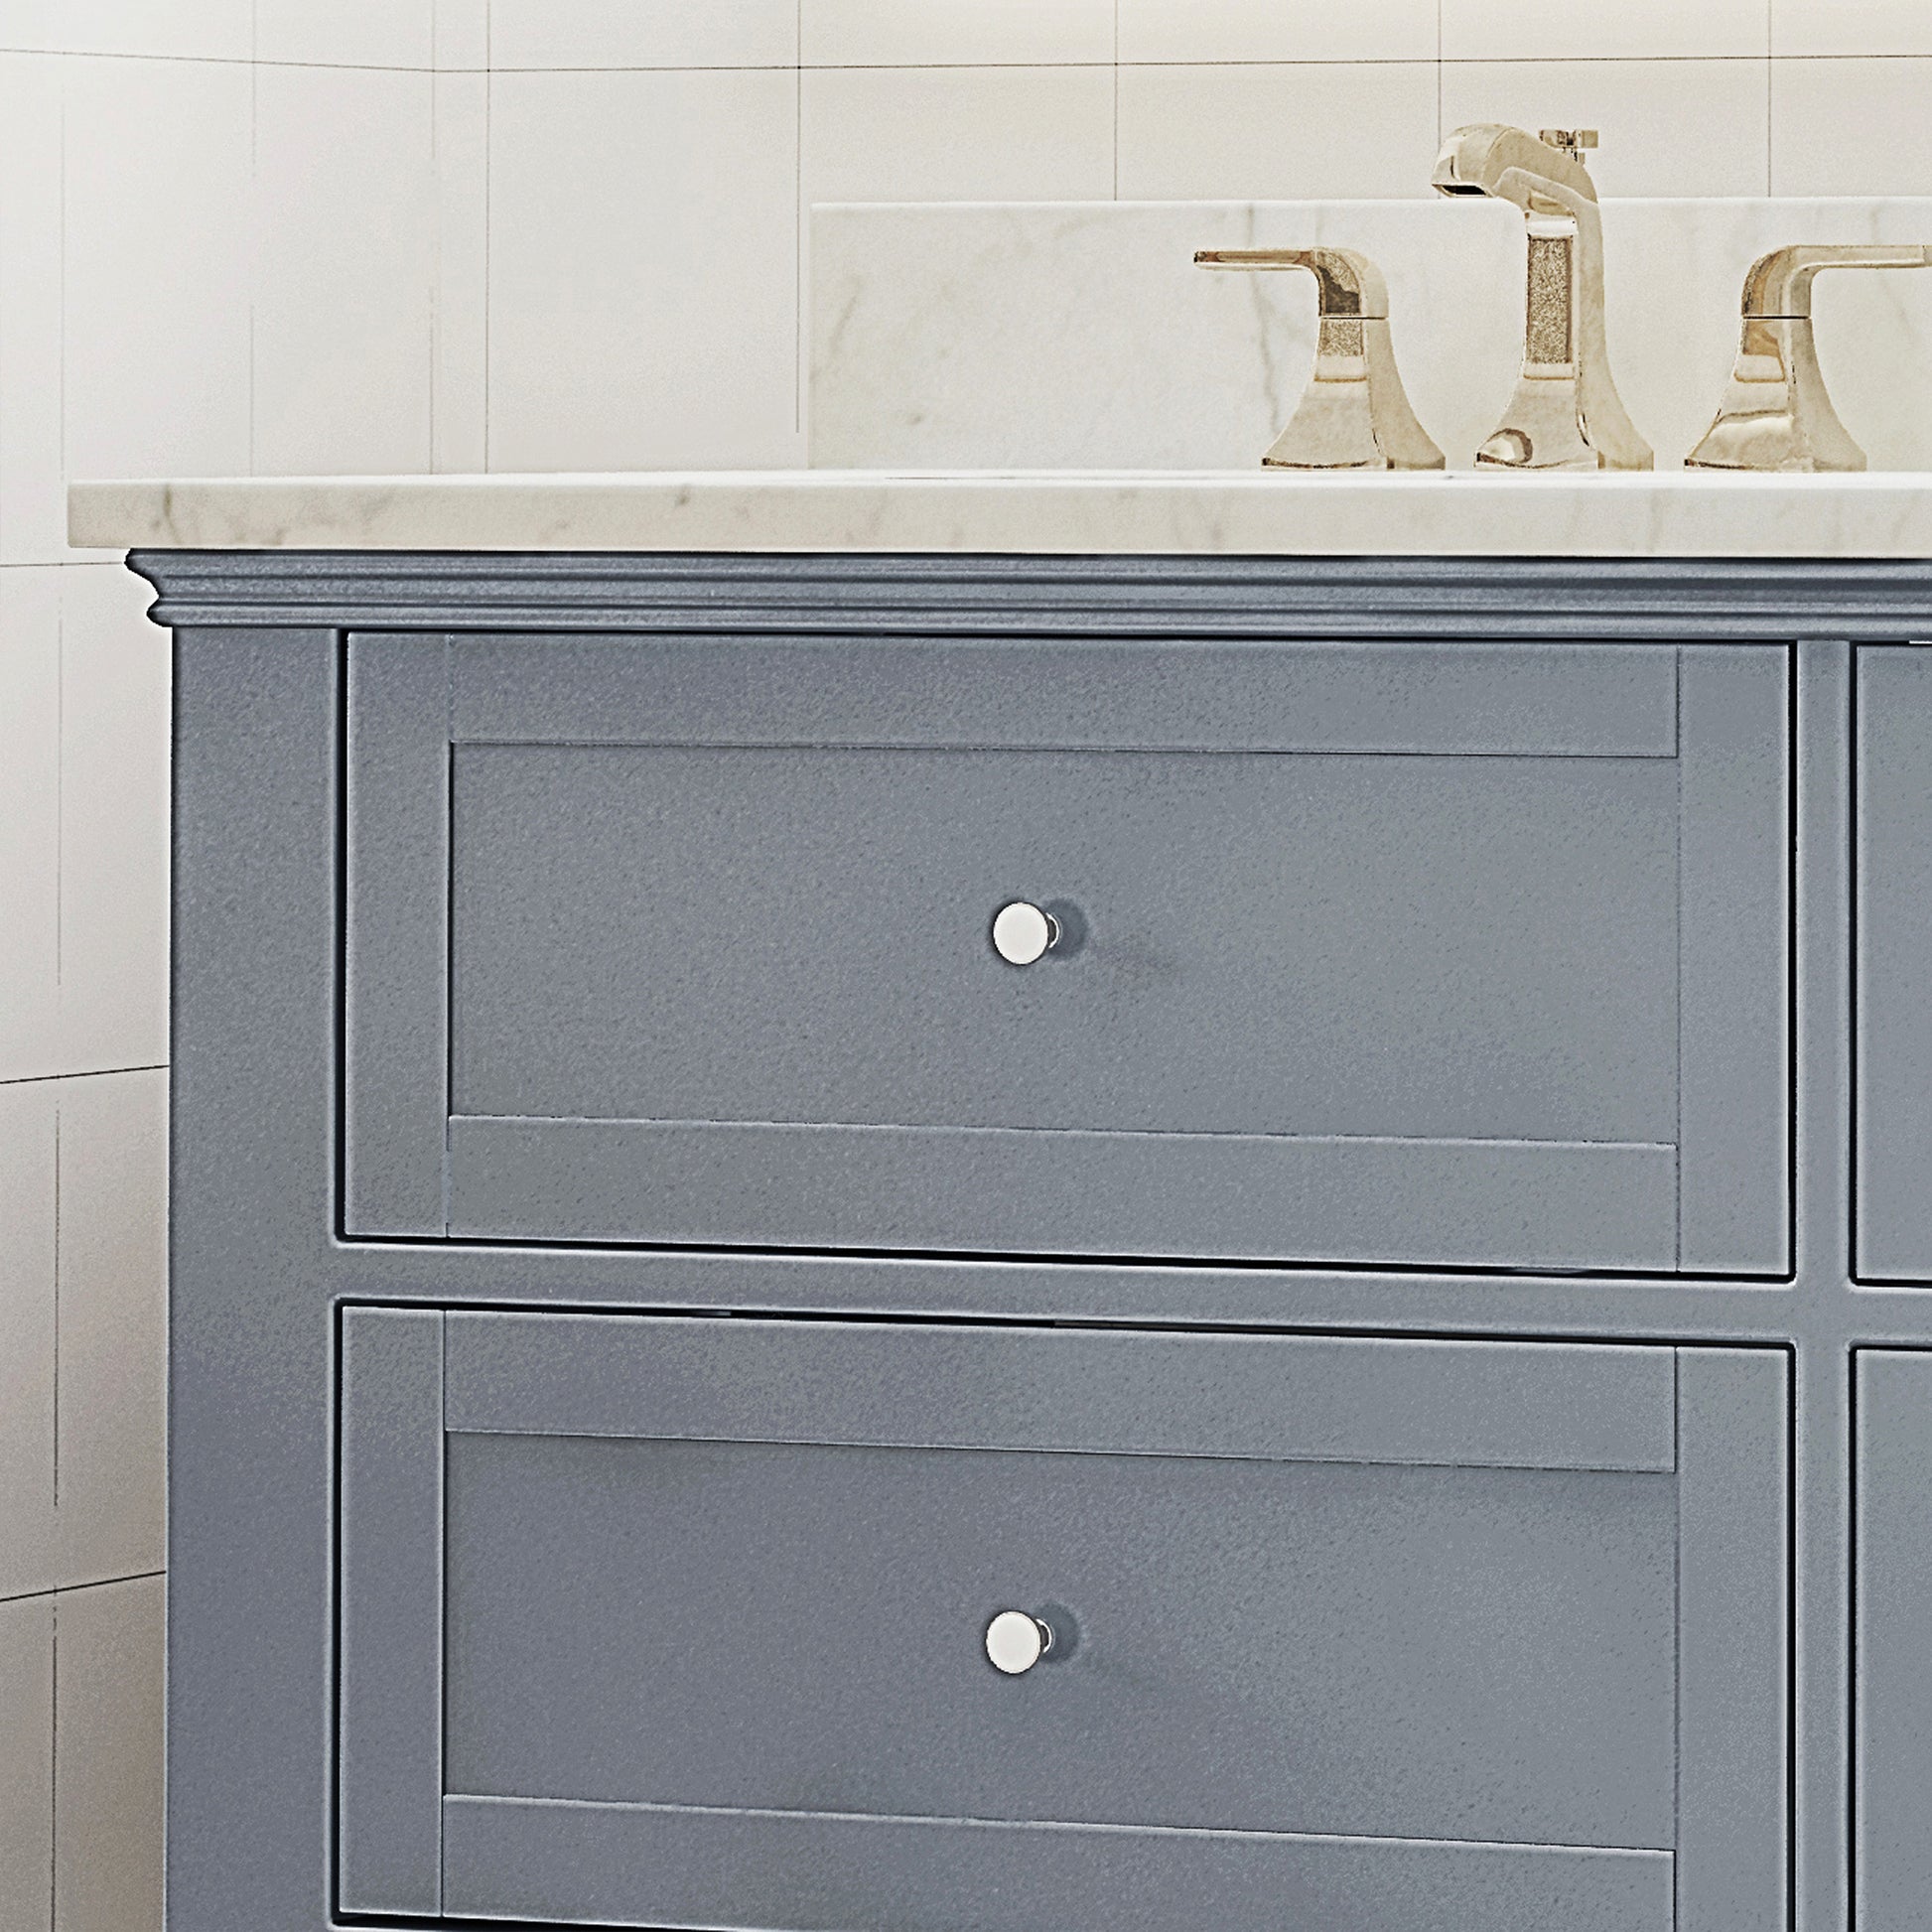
{"x":1371,"y":1371}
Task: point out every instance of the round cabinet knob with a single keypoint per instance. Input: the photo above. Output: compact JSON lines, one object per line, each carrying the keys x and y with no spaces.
{"x":1023,"y":933}
{"x":1016,"y":1642}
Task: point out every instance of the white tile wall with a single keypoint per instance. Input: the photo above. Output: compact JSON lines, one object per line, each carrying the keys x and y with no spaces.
{"x":29,"y":823}
{"x":969,"y":33}
{"x":1589,"y":30}
{"x":957,"y":134}
{"x":347,"y":33}
{"x":156,"y":267}
{"x":1828,"y":27}
{"x":608,"y":33}
{"x":27,"y":1764}
{"x":107,"y":1648}
{"x":290,"y":236}
{"x":343,"y":285}
{"x":1269,"y":132}
{"x":1852,"y":127}
{"x":643,"y":253}
{"x":1265,"y":30}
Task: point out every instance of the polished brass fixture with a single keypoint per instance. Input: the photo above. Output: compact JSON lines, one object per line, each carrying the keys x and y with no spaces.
{"x":1776,"y":412}
{"x":1356,"y":413}
{"x":1566,"y":413}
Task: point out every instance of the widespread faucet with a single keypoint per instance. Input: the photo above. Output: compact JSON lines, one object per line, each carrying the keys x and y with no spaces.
{"x":1566,"y":413}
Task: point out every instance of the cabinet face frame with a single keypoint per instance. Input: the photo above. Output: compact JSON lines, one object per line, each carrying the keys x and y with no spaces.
{"x":1717,"y":1201}
{"x":1891,"y":943}
{"x":1717,"y":1419}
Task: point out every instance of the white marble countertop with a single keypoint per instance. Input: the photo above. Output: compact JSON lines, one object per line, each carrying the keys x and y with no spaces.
{"x":1041,"y":513}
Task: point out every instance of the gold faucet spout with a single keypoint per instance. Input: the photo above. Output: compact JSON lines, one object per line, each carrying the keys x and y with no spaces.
{"x":1566,"y":413}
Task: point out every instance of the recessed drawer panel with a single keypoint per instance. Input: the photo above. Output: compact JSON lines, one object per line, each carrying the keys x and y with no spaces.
{"x":675,"y":1621}
{"x":1465,"y":955}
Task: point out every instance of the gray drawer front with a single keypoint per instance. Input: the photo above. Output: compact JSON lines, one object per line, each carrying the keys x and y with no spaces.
{"x":1892,"y":1780}
{"x":1463,"y":956}
{"x":675,"y":1620}
{"x":1894,"y":963}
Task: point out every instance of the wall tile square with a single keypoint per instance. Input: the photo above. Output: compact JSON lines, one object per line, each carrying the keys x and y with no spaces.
{"x":27,"y":1765}
{"x":344,"y":273}
{"x":32,"y":518}
{"x":207,"y":30}
{"x":461,"y":31}
{"x":28,"y":1185}
{"x":158,"y":268}
{"x":1578,"y":29}
{"x":29,"y":823}
{"x":1852,"y":127}
{"x":352,"y":33}
{"x":1855,"y":26}
{"x":1668,"y":127}
{"x":109,"y":1793}
{"x":957,"y":134}
{"x":113,"y":1336}
{"x":1276,"y":133}
{"x":114,"y":803}
{"x":644,"y":250}
{"x":1268,"y":30}
{"x":459,"y":141}
{"x":608,"y":33}
{"x":971,"y":33}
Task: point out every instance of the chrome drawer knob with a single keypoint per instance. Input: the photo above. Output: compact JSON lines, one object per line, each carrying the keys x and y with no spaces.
{"x":1016,"y":1642}
{"x":1023,"y":933}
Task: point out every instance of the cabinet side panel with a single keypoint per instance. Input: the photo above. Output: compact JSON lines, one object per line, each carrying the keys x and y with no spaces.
{"x":1894,"y":1642}
{"x":390,"y":1728}
{"x":1733,"y":1564}
{"x":397,"y":946}
{"x":1894,"y":962}
{"x":1735,"y":1061}
{"x":251,"y":1170}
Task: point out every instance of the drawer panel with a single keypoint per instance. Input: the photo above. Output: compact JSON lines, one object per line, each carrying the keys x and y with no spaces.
{"x":1459,"y":955}
{"x":680,"y":1620}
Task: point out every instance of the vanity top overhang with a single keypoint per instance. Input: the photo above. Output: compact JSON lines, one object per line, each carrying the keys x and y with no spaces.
{"x":1172,"y":513}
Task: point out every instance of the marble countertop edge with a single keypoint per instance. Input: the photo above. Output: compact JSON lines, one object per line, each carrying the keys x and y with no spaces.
{"x":1674,"y":513}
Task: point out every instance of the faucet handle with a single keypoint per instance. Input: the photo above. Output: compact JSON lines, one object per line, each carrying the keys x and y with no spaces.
{"x":1776,"y":413}
{"x":1355,"y":414}
{"x":1573,"y":141}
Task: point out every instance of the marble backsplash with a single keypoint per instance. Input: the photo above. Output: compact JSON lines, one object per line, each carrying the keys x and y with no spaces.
{"x":1081,"y":336}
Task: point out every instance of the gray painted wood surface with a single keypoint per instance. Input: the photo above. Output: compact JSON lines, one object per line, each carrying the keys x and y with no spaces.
{"x":260,"y":1275}
{"x":1389,"y":964}
{"x":1894,"y":1639}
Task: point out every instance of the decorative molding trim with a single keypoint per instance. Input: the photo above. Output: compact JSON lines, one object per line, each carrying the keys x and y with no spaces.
{"x":1067,"y":596}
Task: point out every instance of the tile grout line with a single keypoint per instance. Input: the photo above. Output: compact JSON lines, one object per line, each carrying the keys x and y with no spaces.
{"x":54,"y":1594}
{"x":81,"y":1073}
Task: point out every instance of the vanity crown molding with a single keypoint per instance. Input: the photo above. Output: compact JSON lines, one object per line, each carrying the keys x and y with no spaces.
{"x":958,"y":596}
